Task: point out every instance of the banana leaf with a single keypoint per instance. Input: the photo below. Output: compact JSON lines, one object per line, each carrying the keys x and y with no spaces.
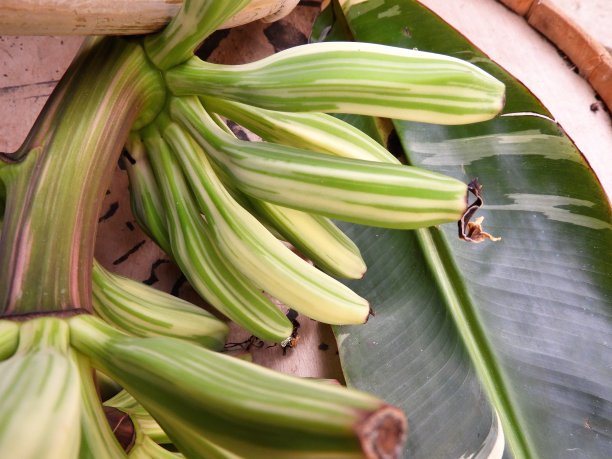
{"x":466,"y":335}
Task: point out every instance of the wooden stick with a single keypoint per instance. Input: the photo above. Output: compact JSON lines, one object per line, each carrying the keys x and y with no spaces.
{"x":112,"y":17}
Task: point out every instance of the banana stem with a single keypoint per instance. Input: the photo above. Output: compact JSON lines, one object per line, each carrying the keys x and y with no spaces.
{"x":194,"y":22}
{"x":54,"y":193}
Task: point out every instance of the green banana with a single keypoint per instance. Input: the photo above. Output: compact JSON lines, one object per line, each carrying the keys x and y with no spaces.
{"x":146,"y":448}
{"x":145,"y":198}
{"x":42,"y":378}
{"x":149,"y":433}
{"x":97,"y":439}
{"x":148,"y":426}
{"x":255,"y":252}
{"x":348,"y":77}
{"x":316,"y":237}
{"x":249,"y":410}
{"x":207,"y":271}
{"x":141,"y":310}
{"x":317,"y":132}
{"x":195,"y":20}
{"x":359,"y":191}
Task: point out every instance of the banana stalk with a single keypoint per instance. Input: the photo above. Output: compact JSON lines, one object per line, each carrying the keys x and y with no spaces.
{"x":249,"y":410}
{"x":230,"y":292}
{"x":42,"y":378}
{"x":348,"y":77}
{"x":48,"y":232}
{"x":359,"y":191}
{"x":141,"y":310}
{"x":258,"y":254}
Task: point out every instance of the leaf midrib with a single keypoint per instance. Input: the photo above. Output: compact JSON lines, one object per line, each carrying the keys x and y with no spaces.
{"x":464,"y":313}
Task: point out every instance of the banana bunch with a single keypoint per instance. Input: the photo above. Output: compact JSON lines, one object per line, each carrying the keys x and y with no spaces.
{"x":224,"y":207}
{"x":229,"y":212}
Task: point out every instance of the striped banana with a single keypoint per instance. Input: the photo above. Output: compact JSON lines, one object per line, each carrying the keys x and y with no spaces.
{"x":196,"y":445}
{"x":148,"y":426}
{"x":255,"y":252}
{"x":41,"y":378}
{"x":316,"y":237}
{"x":145,"y":199}
{"x":317,"y":132}
{"x":207,"y":271}
{"x":359,"y":191}
{"x":97,"y":439}
{"x":348,"y":77}
{"x":141,"y":310}
{"x":249,"y":410}
{"x":146,"y":448}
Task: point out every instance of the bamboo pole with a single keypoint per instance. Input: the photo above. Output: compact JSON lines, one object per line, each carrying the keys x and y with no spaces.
{"x":112,"y":17}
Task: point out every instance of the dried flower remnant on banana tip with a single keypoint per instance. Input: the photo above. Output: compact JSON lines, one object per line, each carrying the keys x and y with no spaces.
{"x":472,"y":231}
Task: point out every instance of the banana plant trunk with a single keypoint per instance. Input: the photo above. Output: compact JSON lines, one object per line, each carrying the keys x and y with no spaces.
{"x":55,"y":182}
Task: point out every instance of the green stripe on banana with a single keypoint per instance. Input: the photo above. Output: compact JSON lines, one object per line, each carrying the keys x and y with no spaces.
{"x":256,"y":253}
{"x":247,"y":409}
{"x":42,"y":378}
{"x":348,"y":77}
{"x":210,"y":274}
{"x":359,"y":191}
{"x":141,"y":310}
{"x":194,"y":22}
{"x":145,"y":198}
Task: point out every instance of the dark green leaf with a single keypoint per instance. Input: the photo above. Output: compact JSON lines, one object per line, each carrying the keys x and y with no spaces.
{"x":530,"y":317}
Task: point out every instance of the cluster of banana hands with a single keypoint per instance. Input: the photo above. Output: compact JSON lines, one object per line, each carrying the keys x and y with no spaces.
{"x":224,"y":209}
